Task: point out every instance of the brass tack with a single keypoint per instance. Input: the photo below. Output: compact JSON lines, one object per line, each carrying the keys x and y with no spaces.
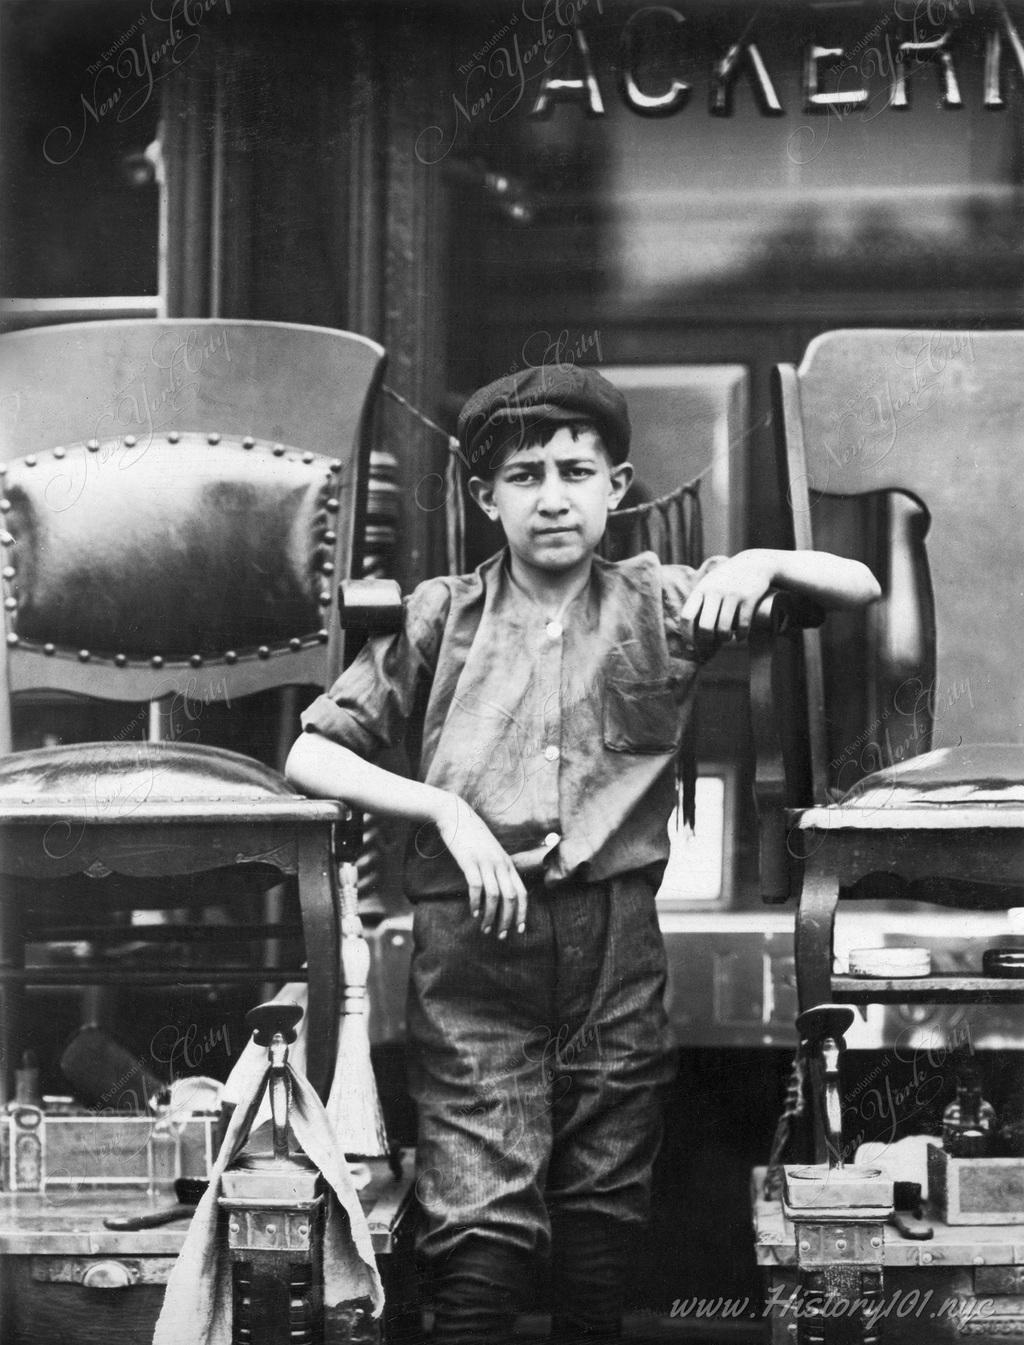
{"x":295,"y":644}
{"x":248,"y":442}
{"x":321,"y":635}
{"x":327,"y":567}
{"x":231,"y":657}
{"x":173,"y":437}
{"x":129,"y":441}
{"x":334,"y":465}
{"x":9,"y":571}
{"x":12,"y":639}
{"x":93,"y":445}
{"x":332,"y":506}
{"x":307,"y":458}
{"x":31,"y":460}
{"x":213,"y":438}
{"x":196,"y":660}
{"x":278,"y":450}
{"x":84,"y":656}
{"x":263,"y":651}
{"x":121,"y":660}
{"x":157,"y":661}
{"x":271,"y":1228}
{"x":6,"y":539}
{"x":5,"y":505}
{"x":324,"y":598}
{"x":11,"y":604}
{"x":60,"y":452}
{"x":49,"y":648}
{"x":330,"y":537}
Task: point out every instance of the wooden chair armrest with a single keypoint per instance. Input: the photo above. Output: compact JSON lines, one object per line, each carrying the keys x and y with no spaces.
{"x":373,"y":606}
{"x":782,"y":611}
{"x":780,"y":614}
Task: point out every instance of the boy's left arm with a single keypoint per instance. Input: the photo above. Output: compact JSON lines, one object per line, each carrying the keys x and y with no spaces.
{"x":724,"y":600}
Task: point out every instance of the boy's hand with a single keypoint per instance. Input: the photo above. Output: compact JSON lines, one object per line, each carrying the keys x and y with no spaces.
{"x":496,"y":892}
{"x":724,"y":601}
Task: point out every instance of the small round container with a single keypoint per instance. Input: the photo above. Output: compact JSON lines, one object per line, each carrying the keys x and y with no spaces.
{"x":1003,"y":962}
{"x":890,"y":962}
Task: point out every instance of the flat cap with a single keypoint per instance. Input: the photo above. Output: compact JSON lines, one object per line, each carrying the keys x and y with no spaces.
{"x":504,"y":411}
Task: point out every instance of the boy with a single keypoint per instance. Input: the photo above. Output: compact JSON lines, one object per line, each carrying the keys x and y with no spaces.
{"x":550,"y":688}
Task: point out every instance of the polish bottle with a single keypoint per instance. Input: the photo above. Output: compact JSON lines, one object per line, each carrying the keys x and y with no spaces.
{"x":969,"y":1122}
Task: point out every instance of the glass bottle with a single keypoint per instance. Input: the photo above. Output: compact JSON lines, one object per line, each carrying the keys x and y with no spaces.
{"x":968,"y":1123}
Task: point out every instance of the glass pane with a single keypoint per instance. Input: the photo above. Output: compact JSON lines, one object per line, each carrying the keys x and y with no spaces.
{"x":79,"y":109}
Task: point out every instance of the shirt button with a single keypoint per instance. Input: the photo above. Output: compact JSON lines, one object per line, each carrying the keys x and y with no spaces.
{"x":554,"y":630}
{"x":552,"y":838}
{"x":551,"y":753}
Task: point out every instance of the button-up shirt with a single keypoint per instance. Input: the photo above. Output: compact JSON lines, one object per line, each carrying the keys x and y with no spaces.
{"x":560,"y":733}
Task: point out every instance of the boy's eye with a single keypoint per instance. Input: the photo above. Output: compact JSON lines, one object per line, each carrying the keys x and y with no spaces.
{"x":578,"y":472}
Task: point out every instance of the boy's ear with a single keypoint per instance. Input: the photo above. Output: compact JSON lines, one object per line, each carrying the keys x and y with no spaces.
{"x":621,"y":479}
{"x":483,"y":492}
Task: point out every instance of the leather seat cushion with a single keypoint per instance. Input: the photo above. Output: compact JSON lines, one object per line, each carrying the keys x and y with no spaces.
{"x":126,"y":774}
{"x":972,"y":774}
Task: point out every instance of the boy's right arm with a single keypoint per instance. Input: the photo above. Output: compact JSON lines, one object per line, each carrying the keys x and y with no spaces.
{"x":319,"y":766}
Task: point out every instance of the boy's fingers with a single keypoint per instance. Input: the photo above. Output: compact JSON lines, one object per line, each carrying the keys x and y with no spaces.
{"x":492,"y":896}
{"x":508,"y":907}
{"x":472,"y":876}
{"x":692,"y":606}
{"x":745,"y":615}
{"x":521,"y":904}
{"x":511,"y":885}
{"x":727,"y":616}
{"x":708,"y":619}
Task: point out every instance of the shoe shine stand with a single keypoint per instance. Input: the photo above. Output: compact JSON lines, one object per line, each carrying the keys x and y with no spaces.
{"x":275,"y":1214}
{"x":838,"y":1210}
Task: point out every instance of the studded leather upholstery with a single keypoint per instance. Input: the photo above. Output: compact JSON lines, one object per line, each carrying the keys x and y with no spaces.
{"x":167,"y":549}
{"x":172,"y":515}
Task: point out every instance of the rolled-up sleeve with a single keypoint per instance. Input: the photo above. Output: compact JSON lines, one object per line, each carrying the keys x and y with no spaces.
{"x":367,"y":707}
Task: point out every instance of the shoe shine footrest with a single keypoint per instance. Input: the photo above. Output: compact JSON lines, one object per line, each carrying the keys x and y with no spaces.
{"x":860,"y":1192}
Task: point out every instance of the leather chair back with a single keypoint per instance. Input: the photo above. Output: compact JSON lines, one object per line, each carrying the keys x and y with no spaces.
{"x":903,"y":448}
{"x":178,"y":499}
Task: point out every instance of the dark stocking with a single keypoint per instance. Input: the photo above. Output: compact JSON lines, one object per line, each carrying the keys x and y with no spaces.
{"x":588,"y":1276}
{"x":476,"y":1292}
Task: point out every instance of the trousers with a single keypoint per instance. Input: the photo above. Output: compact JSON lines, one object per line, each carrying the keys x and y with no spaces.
{"x":537,"y":1066}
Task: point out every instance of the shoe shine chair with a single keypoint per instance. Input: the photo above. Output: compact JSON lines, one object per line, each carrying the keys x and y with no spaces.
{"x":180,"y":498}
{"x":890,"y":743}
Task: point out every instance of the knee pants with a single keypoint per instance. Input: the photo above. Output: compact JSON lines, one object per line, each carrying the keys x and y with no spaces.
{"x":537,"y":1063}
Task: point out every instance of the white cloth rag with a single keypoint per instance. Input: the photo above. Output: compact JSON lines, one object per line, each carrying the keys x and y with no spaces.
{"x":197,"y":1304}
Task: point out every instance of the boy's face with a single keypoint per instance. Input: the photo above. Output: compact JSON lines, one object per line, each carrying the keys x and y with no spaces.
{"x":552,"y":500}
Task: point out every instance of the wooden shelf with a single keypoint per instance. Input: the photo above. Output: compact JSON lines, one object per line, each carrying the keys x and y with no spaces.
{"x":926,"y":989}
{"x":94,"y":974}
